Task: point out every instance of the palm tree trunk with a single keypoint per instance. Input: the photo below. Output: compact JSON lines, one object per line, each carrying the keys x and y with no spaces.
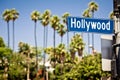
{"x":88,"y":42}
{"x":44,"y":45}
{"x":28,"y":67}
{"x":13,"y":35}
{"x":93,"y":33}
{"x":93,"y":39}
{"x":8,"y":34}
{"x":61,"y":39}
{"x":35,"y":37}
{"x":72,"y":55}
{"x":54,"y":45}
{"x":46,"y":36}
{"x":67,"y":40}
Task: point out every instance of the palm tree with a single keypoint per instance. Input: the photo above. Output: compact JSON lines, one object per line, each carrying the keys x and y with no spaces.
{"x":29,"y":53}
{"x":61,"y":31}
{"x":60,"y":53}
{"x":54,"y":24}
{"x":45,"y":19}
{"x":7,"y":17}
{"x":65,"y":15}
{"x":35,"y":15}
{"x":93,"y":7}
{"x":60,"y":50}
{"x":15,"y":15}
{"x":111,"y":15}
{"x":24,"y":49}
{"x":76,"y":45}
{"x":86,"y":13}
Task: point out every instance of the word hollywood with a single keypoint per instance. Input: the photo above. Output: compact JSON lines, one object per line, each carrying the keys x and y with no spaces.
{"x":90,"y":25}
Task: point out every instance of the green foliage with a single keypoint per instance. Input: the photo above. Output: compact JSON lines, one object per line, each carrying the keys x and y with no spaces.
{"x":10,"y":14}
{"x":7,"y":15}
{"x":4,"y":51}
{"x":61,"y":30}
{"x":76,"y":45}
{"x":4,"y":58}
{"x":54,"y":21}
{"x":2,"y":44}
{"x":111,"y":15}
{"x":35,"y":15}
{"x":93,"y":6}
{"x":15,"y":14}
{"x":64,"y":17}
{"x":16,"y":67}
{"x":24,"y":48}
{"x":86,"y":13}
{"x":77,"y":42}
{"x":89,"y":68}
{"x":45,"y":18}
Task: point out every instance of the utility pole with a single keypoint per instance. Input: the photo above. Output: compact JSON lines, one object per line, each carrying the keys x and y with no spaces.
{"x":115,"y":69}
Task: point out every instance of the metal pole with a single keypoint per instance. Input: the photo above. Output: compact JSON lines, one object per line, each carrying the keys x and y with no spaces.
{"x":118,"y":48}
{"x":115,"y":49}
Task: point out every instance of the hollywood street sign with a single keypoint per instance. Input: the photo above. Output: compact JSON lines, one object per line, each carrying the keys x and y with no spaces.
{"x":77,"y":24}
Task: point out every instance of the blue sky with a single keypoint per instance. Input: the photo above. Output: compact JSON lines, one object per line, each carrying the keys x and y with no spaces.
{"x":24,"y":26}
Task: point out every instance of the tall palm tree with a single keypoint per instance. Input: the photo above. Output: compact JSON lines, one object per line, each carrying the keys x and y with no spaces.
{"x":7,"y":17}
{"x":64,"y":16}
{"x":45,"y":19}
{"x":93,"y":6}
{"x":60,"y":50}
{"x":54,"y":24}
{"x":35,"y":15}
{"x":61,"y":30}
{"x":86,"y":13}
{"x":15,"y":16}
